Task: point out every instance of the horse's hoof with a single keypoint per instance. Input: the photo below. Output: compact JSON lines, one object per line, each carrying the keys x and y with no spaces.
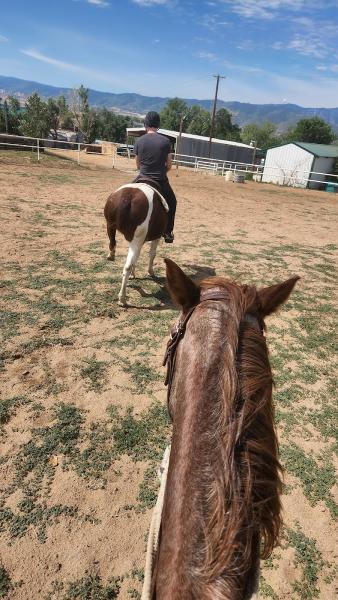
{"x":151,"y":273}
{"x":110,"y":257}
{"x":122,"y":302}
{"x":132,"y":276}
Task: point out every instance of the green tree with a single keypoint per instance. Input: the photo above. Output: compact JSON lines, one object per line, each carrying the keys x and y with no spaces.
{"x":264,"y":135}
{"x":314,"y":130}
{"x":36,"y":120}
{"x":198,"y":121}
{"x":172,"y":113}
{"x":110,"y":126}
{"x":54,"y":116}
{"x":10,"y":115}
{"x":224,"y":128}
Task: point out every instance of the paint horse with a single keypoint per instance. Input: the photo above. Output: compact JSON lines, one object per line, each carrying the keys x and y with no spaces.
{"x":221,"y":508}
{"x":139,"y":212}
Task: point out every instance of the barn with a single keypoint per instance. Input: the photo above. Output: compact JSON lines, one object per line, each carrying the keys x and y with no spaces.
{"x":300,"y":164}
{"x":198,"y":145}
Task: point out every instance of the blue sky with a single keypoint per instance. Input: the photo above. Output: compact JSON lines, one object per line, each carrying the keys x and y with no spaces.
{"x":268,"y":50}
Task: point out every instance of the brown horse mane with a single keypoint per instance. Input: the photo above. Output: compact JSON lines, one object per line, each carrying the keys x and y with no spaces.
{"x":242,"y":507}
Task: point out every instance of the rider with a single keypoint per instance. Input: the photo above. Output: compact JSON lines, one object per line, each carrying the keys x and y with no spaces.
{"x":154,"y":159}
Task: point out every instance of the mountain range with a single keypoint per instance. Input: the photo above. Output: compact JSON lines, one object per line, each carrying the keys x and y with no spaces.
{"x":283,"y":115}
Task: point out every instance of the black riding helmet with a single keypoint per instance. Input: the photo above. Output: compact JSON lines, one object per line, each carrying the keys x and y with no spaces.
{"x":152,"y":119}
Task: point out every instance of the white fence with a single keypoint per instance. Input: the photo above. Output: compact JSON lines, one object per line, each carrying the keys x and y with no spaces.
{"x":68,"y":149}
{"x":78,"y":150}
{"x":221,"y":167}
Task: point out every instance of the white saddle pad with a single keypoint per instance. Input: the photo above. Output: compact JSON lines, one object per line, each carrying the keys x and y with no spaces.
{"x":146,"y":189}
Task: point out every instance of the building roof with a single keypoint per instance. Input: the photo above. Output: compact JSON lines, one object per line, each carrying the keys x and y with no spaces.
{"x":318,"y":150}
{"x":324,"y":150}
{"x":138,"y":131}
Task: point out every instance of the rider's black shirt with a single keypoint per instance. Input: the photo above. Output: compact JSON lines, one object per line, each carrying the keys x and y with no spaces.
{"x":152,"y":150}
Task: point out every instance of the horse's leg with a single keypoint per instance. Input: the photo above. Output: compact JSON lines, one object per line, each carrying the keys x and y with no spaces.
{"x":152,"y":254}
{"x":133,"y":254}
{"x":111,"y":230}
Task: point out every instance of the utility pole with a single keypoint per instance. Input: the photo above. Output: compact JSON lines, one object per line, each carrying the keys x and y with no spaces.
{"x":178,"y":143}
{"x":218,"y":77}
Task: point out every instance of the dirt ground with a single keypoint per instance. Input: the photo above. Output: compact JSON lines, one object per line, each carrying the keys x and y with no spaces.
{"x":83,"y":420}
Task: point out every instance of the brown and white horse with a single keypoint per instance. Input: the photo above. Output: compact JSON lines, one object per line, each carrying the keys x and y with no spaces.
{"x":139,"y":212}
{"x":221,"y":508}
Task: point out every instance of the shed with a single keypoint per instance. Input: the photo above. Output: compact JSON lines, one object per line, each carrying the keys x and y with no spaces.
{"x":198,"y":145}
{"x":300,"y":164}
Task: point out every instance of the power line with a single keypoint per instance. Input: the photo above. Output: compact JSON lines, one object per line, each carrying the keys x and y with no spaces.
{"x":218,"y":77}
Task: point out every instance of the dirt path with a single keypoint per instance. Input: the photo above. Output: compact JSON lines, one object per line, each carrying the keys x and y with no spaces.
{"x":82,"y":416}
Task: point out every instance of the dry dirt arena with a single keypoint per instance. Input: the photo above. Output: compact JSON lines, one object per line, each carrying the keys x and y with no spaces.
{"x":83,"y":420}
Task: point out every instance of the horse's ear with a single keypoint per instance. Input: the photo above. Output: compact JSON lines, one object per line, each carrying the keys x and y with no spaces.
{"x":182,"y":289}
{"x":273,"y":296}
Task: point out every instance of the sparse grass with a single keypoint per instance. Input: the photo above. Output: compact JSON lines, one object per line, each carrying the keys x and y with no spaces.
{"x":141,"y":438}
{"x":266,"y":590}
{"x":89,"y":587}
{"x":9,"y":406}
{"x":310,"y":560}
{"x":316,"y":479}
{"x":5,"y":582}
{"x":54,"y":288}
{"x":142,"y":375}
{"x":94,"y":371}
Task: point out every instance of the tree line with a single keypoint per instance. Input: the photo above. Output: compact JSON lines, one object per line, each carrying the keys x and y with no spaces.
{"x":197,"y":120}
{"x":39,"y":118}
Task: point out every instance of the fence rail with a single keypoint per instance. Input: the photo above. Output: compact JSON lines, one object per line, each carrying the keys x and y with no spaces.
{"x":293,"y":178}
{"x":214,"y":166}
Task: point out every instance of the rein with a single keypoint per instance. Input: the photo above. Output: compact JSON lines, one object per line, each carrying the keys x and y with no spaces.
{"x":178,"y":333}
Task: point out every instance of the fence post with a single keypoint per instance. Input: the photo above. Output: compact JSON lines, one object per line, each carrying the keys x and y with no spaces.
{"x":78,"y":153}
{"x":38,"y":147}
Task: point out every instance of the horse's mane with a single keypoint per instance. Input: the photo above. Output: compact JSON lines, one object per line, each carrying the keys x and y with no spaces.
{"x":242,"y":506}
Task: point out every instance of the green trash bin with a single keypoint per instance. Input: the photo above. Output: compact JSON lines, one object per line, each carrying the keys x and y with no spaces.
{"x":331,"y":187}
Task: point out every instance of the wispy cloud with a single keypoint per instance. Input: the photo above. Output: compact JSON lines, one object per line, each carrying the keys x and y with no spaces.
{"x":213,"y":21}
{"x":210,"y":56}
{"x":3,"y":38}
{"x":82,"y":71}
{"x":263,"y":9}
{"x":51,"y":61}
{"x":317,"y":38}
{"x":151,"y":2}
{"x":328,"y":68}
{"x":100,"y":3}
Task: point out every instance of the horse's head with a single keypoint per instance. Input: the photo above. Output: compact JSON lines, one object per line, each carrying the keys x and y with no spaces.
{"x":220,"y":387}
{"x":261,"y":303}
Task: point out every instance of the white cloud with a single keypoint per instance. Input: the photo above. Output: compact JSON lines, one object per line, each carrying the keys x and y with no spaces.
{"x":327,"y":68}
{"x":263,"y":9}
{"x":101,"y":3}
{"x":317,"y":39}
{"x":51,"y":61}
{"x":213,"y":21}
{"x":151,"y":2}
{"x":84,"y":72}
{"x":3,"y":38}
{"x":210,"y":56}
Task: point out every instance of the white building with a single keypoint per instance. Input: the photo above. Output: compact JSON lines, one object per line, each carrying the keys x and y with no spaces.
{"x":300,"y":164}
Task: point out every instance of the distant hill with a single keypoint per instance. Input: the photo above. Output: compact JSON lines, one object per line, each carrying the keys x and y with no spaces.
{"x":243,"y":113}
